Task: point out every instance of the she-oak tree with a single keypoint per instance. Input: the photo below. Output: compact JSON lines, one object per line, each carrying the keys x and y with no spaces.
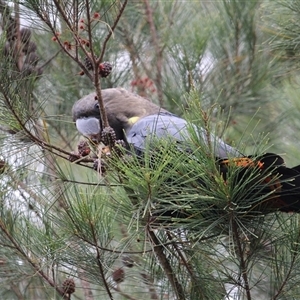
{"x":68,"y":231}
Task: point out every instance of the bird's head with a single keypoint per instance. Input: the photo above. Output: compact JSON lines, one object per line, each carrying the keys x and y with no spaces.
{"x":123,"y":110}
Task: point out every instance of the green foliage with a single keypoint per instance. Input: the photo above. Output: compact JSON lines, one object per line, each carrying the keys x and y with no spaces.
{"x":167,"y":224}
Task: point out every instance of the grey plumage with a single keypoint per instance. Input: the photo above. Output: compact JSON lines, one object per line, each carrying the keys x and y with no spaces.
{"x":136,"y":120}
{"x":172,"y":127}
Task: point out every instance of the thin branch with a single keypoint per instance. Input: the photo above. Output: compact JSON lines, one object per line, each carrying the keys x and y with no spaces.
{"x":96,"y":80}
{"x":64,"y":16}
{"x":66,"y":51}
{"x":99,"y":263}
{"x":50,"y":59}
{"x":292,"y":267}
{"x":76,"y":20}
{"x":19,"y":53}
{"x":181,"y":256}
{"x":158,"y":51}
{"x":243,"y":265}
{"x":21,"y":185}
{"x":112,"y":30}
{"x":33,"y":263}
{"x":32,"y":137}
{"x":165,"y":264}
{"x":89,"y":31}
{"x":17,"y":291}
{"x":42,"y":143}
{"x":85,"y":183}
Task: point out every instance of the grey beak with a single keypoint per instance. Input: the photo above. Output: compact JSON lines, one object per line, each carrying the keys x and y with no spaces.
{"x":89,"y":127}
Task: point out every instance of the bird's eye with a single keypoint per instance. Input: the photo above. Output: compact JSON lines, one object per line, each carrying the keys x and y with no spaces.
{"x":96,"y":106}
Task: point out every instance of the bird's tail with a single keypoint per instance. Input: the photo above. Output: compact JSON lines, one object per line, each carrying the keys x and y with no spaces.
{"x":296,"y":168}
{"x":277,"y":186}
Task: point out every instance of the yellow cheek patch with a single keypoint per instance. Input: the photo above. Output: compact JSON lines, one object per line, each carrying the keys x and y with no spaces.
{"x":133,"y":120}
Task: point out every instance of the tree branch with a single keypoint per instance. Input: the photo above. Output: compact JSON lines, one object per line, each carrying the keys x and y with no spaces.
{"x":99,"y":263}
{"x":165,"y":264}
{"x":240,"y":253}
{"x":35,"y":266}
{"x":158,"y":51}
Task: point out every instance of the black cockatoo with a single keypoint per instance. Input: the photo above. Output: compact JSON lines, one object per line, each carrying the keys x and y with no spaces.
{"x":135,"y":120}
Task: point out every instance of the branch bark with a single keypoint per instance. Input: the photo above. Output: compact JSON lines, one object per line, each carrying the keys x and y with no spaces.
{"x":165,"y":264}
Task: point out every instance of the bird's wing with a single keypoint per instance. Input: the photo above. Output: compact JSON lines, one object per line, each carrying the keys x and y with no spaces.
{"x":168,"y":126}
